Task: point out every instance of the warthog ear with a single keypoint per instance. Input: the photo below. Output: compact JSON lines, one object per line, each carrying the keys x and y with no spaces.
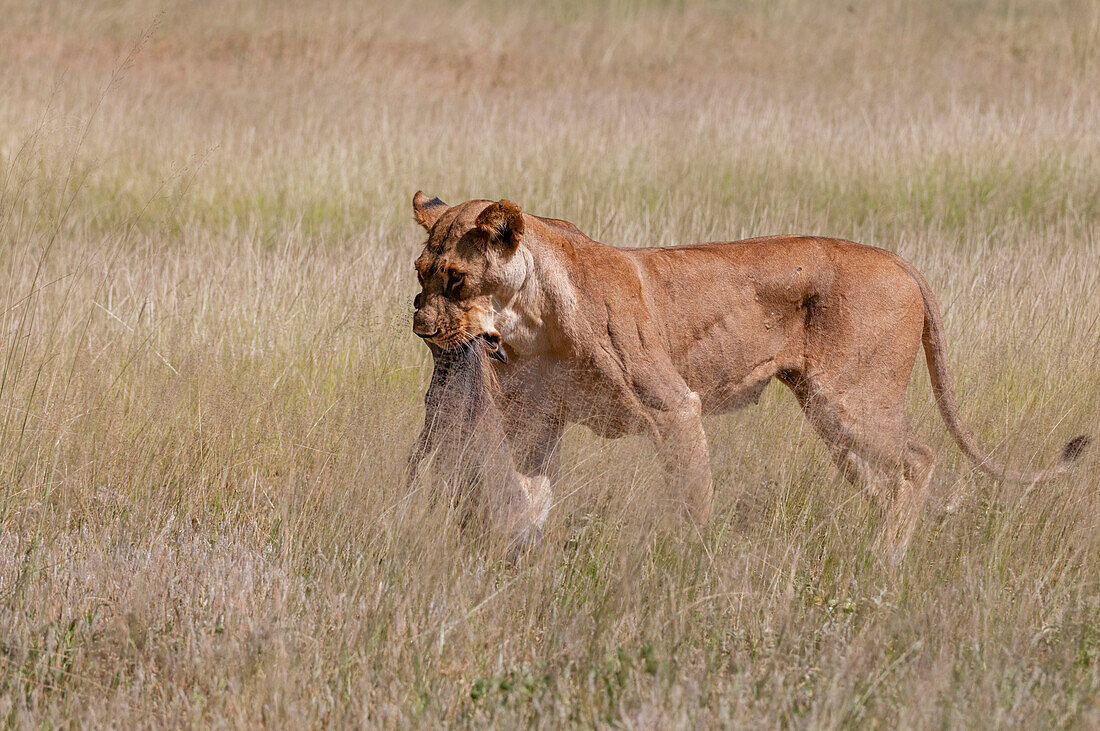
{"x":493,"y":347}
{"x":503,"y":222}
{"x":427,"y":210}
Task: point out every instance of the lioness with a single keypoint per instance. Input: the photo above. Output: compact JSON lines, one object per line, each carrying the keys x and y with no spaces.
{"x":648,"y":340}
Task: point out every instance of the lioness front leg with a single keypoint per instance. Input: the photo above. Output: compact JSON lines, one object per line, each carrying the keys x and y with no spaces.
{"x":535,"y":449}
{"x":526,"y":507}
{"x":682,"y":443}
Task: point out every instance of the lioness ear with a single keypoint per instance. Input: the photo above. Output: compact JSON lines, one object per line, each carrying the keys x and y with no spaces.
{"x":503,"y":222}
{"x":427,"y":210}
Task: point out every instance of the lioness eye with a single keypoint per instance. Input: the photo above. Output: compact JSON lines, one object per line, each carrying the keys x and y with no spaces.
{"x":454,"y":283}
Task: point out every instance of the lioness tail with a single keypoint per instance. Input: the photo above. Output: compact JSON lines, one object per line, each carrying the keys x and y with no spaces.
{"x":935,"y":353}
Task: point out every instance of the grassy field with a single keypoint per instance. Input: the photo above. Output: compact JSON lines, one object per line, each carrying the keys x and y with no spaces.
{"x":208,"y":382}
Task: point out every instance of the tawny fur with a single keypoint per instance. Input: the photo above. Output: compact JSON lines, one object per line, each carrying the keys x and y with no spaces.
{"x":648,"y":340}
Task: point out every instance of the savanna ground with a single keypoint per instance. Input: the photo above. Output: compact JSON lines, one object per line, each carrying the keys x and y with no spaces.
{"x":208,"y":383}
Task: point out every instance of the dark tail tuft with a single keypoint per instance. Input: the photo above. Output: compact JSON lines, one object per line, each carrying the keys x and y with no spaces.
{"x":1075,"y":447}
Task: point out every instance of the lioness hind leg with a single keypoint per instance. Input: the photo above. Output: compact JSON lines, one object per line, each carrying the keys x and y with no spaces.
{"x":903,"y":511}
{"x":854,"y":468}
{"x":870,"y":443}
{"x":898,"y":483}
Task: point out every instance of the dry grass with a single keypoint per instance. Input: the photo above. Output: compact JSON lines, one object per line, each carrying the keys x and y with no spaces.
{"x":208,"y":384}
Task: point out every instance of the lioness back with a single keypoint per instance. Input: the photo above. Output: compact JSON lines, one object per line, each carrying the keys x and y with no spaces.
{"x":769,"y":305}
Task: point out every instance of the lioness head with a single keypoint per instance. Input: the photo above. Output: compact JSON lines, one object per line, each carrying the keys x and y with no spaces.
{"x":462,"y":267}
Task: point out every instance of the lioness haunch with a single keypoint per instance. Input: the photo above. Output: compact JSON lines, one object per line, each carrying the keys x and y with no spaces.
{"x":649,"y":340}
{"x":463,"y":439}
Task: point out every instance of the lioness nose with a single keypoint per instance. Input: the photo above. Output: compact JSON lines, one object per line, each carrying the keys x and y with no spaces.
{"x":422,"y":327}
